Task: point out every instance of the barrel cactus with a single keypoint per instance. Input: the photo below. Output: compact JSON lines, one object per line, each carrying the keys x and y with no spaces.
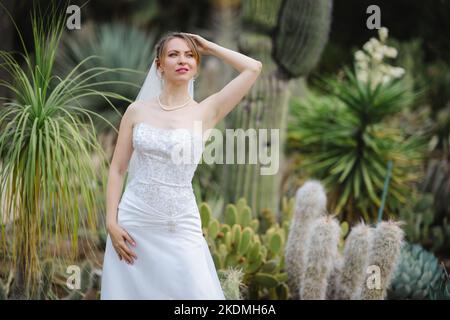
{"x":418,"y":270}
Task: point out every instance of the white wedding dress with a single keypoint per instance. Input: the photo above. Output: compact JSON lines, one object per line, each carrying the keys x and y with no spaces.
{"x":159,"y":211}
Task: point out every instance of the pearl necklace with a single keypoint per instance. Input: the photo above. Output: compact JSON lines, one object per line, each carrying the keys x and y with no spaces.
{"x":167,"y":108}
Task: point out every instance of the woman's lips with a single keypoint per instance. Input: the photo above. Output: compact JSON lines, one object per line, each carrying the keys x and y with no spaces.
{"x":182,"y":70}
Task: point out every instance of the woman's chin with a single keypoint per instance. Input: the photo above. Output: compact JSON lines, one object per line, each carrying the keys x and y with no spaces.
{"x":179,"y":80}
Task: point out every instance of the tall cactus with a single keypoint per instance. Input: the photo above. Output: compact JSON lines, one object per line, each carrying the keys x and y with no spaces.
{"x":384,"y":254}
{"x":301,"y":35}
{"x":311,"y":203}
{"x":288,"y":37}
{"x":319,"y":260}
{"x":356,"y":256}
{"x":315,"y":266}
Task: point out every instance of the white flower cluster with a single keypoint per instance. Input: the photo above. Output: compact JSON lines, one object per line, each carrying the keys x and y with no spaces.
{"x":369,"y":62}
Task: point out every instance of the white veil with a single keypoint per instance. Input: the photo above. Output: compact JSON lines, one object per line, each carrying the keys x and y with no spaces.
{"x":151,"y":88}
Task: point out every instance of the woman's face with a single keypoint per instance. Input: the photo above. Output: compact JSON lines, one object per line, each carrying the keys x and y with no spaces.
{"x":179,"y":63}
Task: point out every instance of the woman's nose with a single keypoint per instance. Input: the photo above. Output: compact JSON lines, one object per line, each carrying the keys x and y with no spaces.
{"x":182,"y":59}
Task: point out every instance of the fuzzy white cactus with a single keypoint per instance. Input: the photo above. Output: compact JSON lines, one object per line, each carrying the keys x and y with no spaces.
{"x":232,"y":284}
{"x":333,"y":279}
{"x":356,"y":259}
{"x":310,"y":204}
{"x":322,"y":248}
{"x":383,"y":258}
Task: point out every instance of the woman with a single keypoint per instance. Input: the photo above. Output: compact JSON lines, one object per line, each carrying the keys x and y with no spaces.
{"x":155,"y":247}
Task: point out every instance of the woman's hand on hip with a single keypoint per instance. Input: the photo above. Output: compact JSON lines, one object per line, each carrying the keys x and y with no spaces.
{"x":119,"y":238}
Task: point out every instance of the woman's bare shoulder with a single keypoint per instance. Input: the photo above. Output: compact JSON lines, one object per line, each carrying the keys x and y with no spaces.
{"x":139,"y":104}
{"x":137,"y":108}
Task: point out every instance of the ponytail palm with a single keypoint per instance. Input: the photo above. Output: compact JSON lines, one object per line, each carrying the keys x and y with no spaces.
{"x":49,"y":185}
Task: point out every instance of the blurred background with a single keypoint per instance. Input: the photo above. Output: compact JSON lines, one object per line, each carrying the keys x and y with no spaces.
{"x":364,"y":111}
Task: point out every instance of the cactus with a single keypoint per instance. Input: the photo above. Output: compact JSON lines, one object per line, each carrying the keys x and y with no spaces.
{"x":239,"y":243}
{"x":310,"y":204}
{"x":356,"y":254}
{"x":333,"y":279}
{"x":441,"y":289}
{"x":384,"y":254}
{"x":321,"y":249}
{"x":421,"y":224}
{"x":231,"y":282}
{"x":288,"y":37}
{"x":314,"y":260}
{"x":302,"y":34}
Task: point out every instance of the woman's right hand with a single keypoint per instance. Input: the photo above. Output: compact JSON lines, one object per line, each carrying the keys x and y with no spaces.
{"x":119,"y":237}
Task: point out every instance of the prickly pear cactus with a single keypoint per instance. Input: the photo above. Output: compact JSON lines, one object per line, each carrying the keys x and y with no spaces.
{"x":238,"y":242}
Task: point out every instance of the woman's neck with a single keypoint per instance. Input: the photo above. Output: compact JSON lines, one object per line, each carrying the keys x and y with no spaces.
{"x":174,"y":95}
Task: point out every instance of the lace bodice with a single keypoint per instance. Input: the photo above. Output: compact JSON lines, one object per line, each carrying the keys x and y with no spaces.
{"x":162,"y":166}
{"x":168,"y":155}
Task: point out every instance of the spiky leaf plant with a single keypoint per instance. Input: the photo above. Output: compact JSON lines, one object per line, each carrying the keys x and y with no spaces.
{"x":48,"y":180}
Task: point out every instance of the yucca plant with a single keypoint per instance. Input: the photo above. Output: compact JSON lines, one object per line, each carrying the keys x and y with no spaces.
{"x":48,"y":180}
{"x":346,"y":142}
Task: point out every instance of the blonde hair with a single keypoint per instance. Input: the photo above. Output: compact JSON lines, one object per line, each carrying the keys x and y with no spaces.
{"x":162,"y":45}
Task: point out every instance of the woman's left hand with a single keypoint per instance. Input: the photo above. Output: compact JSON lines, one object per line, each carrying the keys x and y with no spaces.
{"x":204,"y":46}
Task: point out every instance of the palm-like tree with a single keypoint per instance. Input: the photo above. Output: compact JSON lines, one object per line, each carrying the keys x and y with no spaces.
{"x":48,"y":181}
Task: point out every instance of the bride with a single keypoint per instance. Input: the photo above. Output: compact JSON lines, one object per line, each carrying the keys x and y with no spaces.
{"x":155,"y":247}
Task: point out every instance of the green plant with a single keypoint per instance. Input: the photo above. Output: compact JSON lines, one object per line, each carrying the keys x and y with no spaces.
{"x":437,"y":181}
{"x":239,"y":243}
{"x":117,"y":46}
{"x":231,"y":283}
{"x":345,"y":140}
{"x":417,"y":271}
{"x":48,"y":181}
{"x":288,"y":37}
{"x":441,"y":289}
{"x":421,"y":225}
{"x":46,"y":279}
{"x":89,"y":284}
{"x":315,"y":266}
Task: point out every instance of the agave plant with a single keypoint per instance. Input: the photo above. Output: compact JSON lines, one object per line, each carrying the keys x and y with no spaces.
{"x":48,"y":180}
{"x":416,"y":274}
{"x":346,"y":142}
